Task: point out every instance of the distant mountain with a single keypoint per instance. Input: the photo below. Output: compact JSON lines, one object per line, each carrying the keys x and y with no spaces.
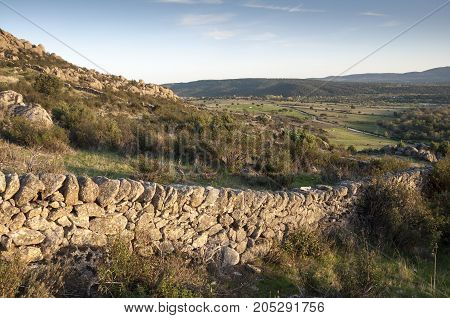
{"x":304,"y":87}
{"x":439,"y":75}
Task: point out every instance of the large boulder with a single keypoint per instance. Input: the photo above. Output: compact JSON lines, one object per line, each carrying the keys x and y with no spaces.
{"x":33,"y":113}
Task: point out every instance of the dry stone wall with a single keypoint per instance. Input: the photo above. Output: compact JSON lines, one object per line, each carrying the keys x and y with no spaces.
{"x":40,"y":214}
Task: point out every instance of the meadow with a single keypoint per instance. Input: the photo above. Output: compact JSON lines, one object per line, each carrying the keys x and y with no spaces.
{"x":340,"y":121}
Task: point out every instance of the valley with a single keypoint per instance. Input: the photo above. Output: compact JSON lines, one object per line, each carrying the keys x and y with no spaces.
{"x":234,"y":188}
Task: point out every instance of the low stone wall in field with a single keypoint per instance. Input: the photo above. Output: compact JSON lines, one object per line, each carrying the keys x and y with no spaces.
{"x":40,"y":214}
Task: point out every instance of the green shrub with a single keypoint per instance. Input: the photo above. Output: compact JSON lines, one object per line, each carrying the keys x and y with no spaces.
{"x":362,"y":274}
{"x":89,"y":130}
{"x":156,"y":170}
{"x":398,"y":215}
{"x":26,"y":133}
{"x":352,"y":149}
{"x":47,"y":84}
{"x":304,"y":243}
{"x":444,"y":148}
{"x":125,"y":274}
{"x":168,"y":288}
{"x":11,"y":275}
{"x":381,"y":166}
{"x":439,"y":193}
{"x":344,"y":270}
{"x":17,"y":279}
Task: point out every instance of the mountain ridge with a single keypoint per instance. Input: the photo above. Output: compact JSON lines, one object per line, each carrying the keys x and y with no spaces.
{"x":431,"y":76}
{"x":246,"y":87}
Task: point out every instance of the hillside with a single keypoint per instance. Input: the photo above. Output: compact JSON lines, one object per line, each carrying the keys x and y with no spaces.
{"x":21,"y":53}
{"x":440,"y":75}
{"x":117,"y":188}
{"x":296,"y":87}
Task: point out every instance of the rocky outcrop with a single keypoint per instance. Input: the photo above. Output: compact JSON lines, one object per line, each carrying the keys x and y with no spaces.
{"x":39,"y":215}
{"x":90,"y":81}
{"x":9,"y":98}
{"x":11,"y":46}
{"x":11,"y":105}
{"x":418,"y":151}
{"x":33,"y":113}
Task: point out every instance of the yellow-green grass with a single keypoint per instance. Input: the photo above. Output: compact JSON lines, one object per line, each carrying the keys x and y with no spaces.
{"x":344,"y":137}
{"x":256,"y":107}
{"x":99,"y":164}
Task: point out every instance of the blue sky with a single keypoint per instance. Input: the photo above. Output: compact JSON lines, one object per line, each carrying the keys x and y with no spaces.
{"x":164,"y":41}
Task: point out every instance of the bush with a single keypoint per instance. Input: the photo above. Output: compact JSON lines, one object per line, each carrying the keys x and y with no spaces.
{"x":11,"y":275}
{"x":122,"y":273}
{"x":352,"y":149}
{"x":42,"y":281}
{"x":398,"y":215}
{"x":125,"y":274}
{"x":444,"y":148}
{"x":381,"y":166}
{"x":23,"y":132}
{"x":88,"y":130}
{"x":47,"y":85}
{"x":439,"y":193}
{"x":362,"y":274}
{"x":156,"y":170}
{"x":304,"y":243}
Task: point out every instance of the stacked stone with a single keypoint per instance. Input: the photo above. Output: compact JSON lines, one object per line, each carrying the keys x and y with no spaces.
{"x":40,"y":214}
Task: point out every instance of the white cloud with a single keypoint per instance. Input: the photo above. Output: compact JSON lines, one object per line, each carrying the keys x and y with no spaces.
{"x":373,"y":14}
{"x":221,"y":34}
{"x":191,"y":1}
{"x":299,"y":8}
{"x":204,"y":19}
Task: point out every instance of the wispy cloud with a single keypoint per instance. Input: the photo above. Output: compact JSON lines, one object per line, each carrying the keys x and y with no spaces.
{"x":373,"y":14}
{"x":299,"y":8}
{"x":191,"y":1}
{"x":204,"y":19}
{"x":220,"y":34}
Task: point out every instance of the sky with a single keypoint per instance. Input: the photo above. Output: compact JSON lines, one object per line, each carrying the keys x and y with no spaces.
{"x":167,"y":41}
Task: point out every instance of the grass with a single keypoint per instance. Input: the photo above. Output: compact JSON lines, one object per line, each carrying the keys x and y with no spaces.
{"x":255,"y":108}
{"x":350,"y":271}
{"x":14,"y":158}
{"x":344,"y":137}
{"x":361,"y":117}
{"x":99,"y":163}
{"x":305,"y":180}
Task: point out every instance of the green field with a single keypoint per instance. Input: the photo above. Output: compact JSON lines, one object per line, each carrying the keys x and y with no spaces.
{"x":256,"y":107}
{"x":334,"y":118}
{"x":344,"y":137}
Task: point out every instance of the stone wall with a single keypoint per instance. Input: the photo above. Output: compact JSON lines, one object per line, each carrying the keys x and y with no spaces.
{"x":40,"y":214}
